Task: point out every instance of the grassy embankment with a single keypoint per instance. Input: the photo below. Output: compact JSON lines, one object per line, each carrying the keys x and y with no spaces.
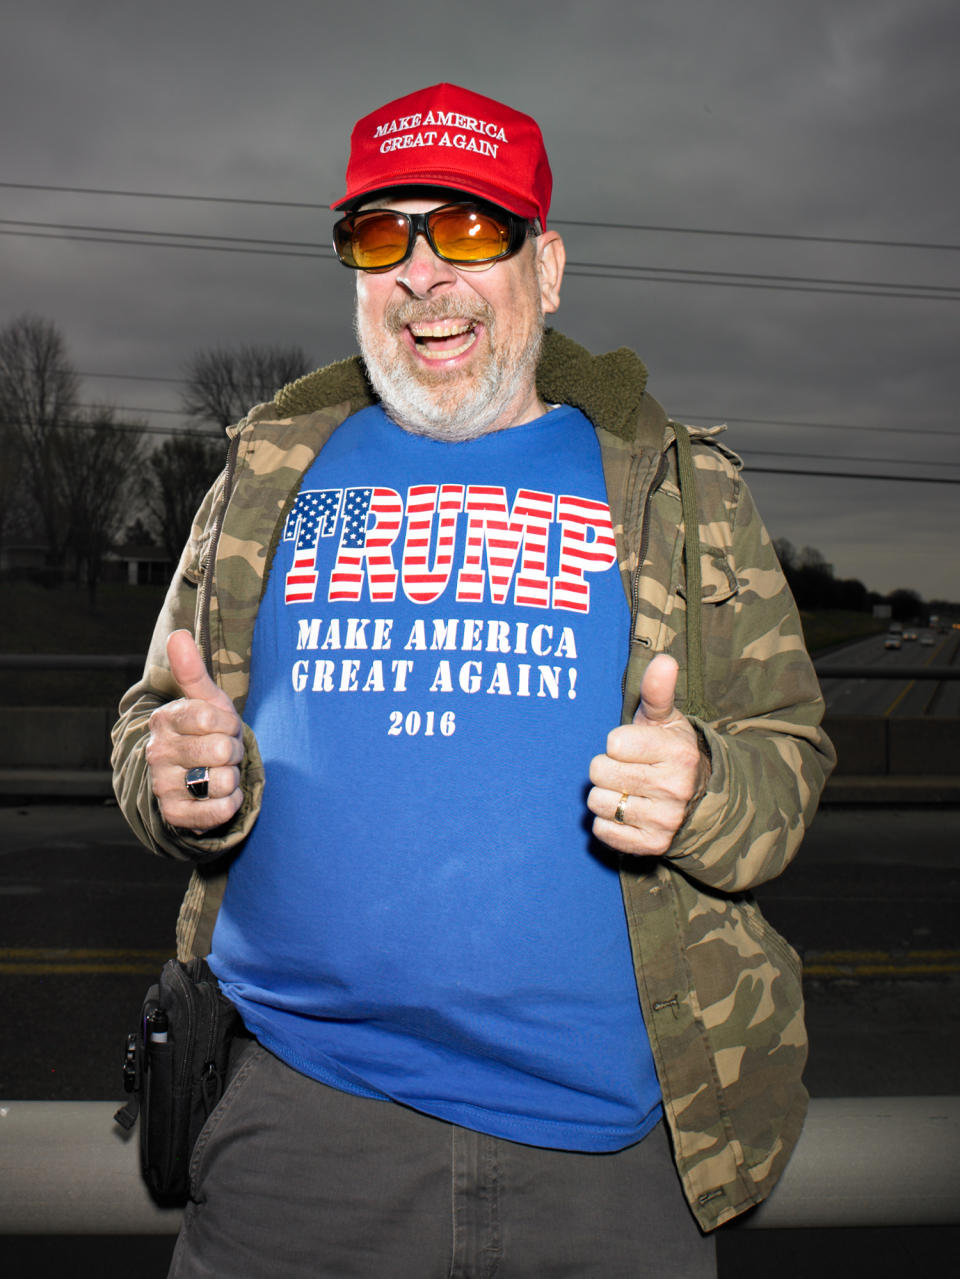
{"x":832,"y":628}
{"x":36,"y":620}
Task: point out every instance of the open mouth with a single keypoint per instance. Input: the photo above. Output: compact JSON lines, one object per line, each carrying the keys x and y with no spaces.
{"x":443,"y":339}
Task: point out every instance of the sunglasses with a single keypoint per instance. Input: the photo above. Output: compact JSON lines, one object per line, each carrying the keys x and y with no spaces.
{"x":468,"y":235}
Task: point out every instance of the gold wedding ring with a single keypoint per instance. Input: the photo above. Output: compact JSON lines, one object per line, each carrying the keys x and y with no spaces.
{"x":619,"y":816}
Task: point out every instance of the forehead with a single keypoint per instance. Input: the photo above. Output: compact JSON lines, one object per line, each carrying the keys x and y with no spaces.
{"x":417,"y":199}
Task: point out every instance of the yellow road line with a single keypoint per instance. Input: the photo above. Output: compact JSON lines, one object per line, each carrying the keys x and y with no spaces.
{"x":866,"y":956}
{"x":73,"y":970}
{"x":899,"y":698}
{"x":880,"y":963}
{"x":40,"y":961}
{"x":75,"y":952}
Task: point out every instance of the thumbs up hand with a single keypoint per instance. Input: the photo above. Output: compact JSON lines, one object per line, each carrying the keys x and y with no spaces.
{"x":201,"y":729}
{"x":652,"y":770}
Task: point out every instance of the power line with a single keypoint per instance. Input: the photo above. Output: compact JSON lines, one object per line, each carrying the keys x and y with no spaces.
{"x":653,"y":275}
{"x":173,"y":235}
{"x":680,"y":417}
{"x":142,"y":428}
{"x":676,"y":277}
{"x":952,"y":290}
{"x":162,"y":244}
{"x":818,"y":426}
{"x":759,"y":275}
{"x":128,"y":408}
{"x":166,"y":195}
{"x":845,"y":457}
{"x":613,"y":226}
{"x":136,"y":428}
{"x":853,"y":475}
{"x":760,"y":235}
{"x":137,"y":377}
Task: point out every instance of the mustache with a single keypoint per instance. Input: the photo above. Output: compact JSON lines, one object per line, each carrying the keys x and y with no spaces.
{"x":414,"y":311}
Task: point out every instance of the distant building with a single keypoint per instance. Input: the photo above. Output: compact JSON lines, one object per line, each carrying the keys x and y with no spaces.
{"x":135,"y":563}
{"x":138,"y":564}
{"x":23,"y":559}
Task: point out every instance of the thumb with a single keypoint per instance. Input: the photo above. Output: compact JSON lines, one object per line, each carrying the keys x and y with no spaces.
{"x":657,"y":690}
{"x":188,"y":669}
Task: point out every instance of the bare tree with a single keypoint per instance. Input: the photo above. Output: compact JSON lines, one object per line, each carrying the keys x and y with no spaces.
{"x":38,"y":391}
{"x":176,"y":476}
{"x":98,"y":468}
{"x":223,"y":384}
{"x":12,"y":511}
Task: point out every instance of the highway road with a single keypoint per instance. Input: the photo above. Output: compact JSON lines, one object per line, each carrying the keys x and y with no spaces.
{"x":909,"y":697}
{"x":87,"y":916}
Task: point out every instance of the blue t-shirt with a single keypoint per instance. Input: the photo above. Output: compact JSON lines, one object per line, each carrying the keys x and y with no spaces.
{"x":420,"y":912}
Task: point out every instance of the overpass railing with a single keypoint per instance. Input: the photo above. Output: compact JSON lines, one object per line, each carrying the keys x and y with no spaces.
{"x":67,"y":1169}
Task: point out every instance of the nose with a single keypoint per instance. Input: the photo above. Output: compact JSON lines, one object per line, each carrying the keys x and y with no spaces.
{"x":424,"y":273}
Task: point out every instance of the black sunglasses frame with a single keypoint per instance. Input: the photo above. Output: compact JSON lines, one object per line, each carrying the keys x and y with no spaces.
{"x":419,"y":224}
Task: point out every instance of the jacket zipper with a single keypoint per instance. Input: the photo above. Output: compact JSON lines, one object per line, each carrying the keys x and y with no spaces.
{"x":206,"y":584}
{"x":641,"y":556}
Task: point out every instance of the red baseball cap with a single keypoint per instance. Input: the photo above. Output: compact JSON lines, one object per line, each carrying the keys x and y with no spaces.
{"x":447,"y":136}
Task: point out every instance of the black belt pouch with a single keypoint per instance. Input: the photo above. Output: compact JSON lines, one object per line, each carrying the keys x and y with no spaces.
{"x":175,"y":1066}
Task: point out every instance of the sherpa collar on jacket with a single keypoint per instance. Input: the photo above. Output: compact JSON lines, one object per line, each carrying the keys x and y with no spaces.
{"x":610,"y":389}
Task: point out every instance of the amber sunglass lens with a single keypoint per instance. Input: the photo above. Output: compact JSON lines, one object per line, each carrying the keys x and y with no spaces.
{"x":379,"y":240}
{"x":468,"y":235}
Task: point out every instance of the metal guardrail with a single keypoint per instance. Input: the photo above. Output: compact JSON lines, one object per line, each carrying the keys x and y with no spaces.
{"x":71,"y":661}
{"x":67,"y":1169}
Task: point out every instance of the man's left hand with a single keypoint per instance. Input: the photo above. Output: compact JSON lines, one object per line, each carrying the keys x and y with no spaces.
{"x":652,"y":772}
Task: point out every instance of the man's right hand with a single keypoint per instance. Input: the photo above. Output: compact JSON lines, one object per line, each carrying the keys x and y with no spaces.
{"x":199,"y":729}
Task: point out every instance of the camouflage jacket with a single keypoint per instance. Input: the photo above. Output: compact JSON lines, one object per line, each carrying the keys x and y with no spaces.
{"x":720,"y":990}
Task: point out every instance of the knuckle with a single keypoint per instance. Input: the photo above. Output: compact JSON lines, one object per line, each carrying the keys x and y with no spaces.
{"x":660,"y":838}
{"x":598,"y":768}
{"x":202,"y":718}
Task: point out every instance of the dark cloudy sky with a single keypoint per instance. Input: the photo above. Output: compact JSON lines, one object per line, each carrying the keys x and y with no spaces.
{"x":830,"y":118}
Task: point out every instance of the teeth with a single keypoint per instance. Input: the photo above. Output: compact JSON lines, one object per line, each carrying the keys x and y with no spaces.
{"x":448,"y":352}
{"x":442,"y":329}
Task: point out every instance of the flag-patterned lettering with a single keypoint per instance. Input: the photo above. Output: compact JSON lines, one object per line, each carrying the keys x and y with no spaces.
{"x":527,"y":527}
{"x":314,"y":515}
{"x":587,"y":545}
{"x":366,"y":548}
{"x":421,"y":583}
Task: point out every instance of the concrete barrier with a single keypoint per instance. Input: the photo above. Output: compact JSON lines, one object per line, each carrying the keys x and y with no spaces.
{"x":909,"y":748}
{"x":54,"y":737}
{"x":61,"y":751}
{"x":67,"y":1169}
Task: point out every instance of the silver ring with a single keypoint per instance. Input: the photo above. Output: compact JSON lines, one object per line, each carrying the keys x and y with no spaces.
{"x":196,"y":781}
{"x":620,"y":816}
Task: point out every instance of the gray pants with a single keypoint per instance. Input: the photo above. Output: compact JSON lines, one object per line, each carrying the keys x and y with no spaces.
{"x":291,"y":1178}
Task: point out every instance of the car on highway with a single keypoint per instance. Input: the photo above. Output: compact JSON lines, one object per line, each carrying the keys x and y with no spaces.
{"x":893,"y":641}
{"x":927,"y":640}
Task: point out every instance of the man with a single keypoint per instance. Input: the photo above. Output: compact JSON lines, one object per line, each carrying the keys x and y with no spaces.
{"x":491,"y":1034}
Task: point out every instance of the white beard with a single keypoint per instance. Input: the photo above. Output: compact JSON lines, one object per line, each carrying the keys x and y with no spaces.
{"x":442,"y":406}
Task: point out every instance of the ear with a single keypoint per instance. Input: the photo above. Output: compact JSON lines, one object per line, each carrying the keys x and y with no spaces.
{"x":551,"y":259}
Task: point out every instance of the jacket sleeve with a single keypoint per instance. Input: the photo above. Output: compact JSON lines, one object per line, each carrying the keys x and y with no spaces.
{"x":131,"y":777}
{"x":769,"y":756}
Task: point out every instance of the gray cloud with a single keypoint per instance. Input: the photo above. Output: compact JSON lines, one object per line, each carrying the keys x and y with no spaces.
{"x":837,"y":119}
